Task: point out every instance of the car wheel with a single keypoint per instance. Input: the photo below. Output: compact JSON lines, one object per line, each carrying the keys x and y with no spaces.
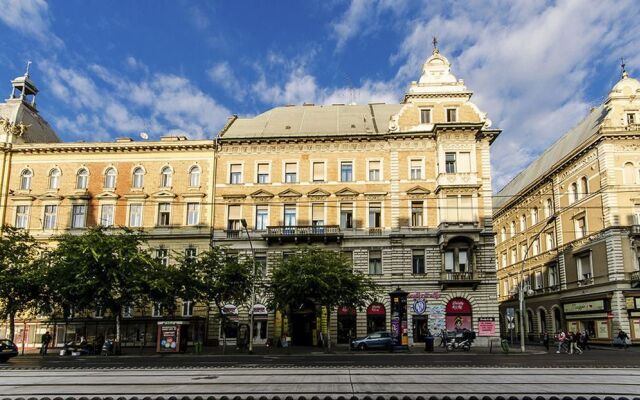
{"x":362,"y":347}
{"x":448,"y":348}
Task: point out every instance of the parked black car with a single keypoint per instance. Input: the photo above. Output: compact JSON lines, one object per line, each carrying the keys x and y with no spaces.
{"x":375,"y":340}
{"x":7,"y":350}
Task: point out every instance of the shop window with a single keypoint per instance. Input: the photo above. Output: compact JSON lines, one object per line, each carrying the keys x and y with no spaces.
{"x":376,"y":318}
{"x":458,"y":315}
{"x":347,"y":326}
{"x":375,"y":262}
{"x":418,"y":261}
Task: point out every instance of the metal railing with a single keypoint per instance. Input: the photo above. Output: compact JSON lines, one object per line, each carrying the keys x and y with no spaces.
{"x":303,"y":230}
{"x":457,"y":276}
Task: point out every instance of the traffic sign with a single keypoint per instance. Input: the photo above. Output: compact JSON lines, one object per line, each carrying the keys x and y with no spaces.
{"x":510,"y":318}
{"x":511,"y":312}
{"x":511,"y":325}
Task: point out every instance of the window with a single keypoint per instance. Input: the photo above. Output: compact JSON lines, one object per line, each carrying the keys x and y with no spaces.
{"x":374,"y":171}
{"x":78,"y":216}
{"x":425,"y":116}
{"x":457,"y":260}
{"x":523,"y":250}
{"x":164,"y":214}
{"x":573,"y":192}
{"x":452,"y":115}
{"x":450,"y":163}
{"x":631,"y":118}
{"x":550,"y":240}
{"x":503,"y":234}
{"x":22,"y":217}
{"x":135,"y":215}
{"x":418,"y":261}
{"x":548,"y":208}
{"x":107,"y":214}
{"x":534,"y":216}
{"x":194,"y":176}
{"x":50,"y":216}
{"x":583,"y":265}
{"x":451,"y":209}
{"x":54,"y":179}
{"x":503,"y":259}
{"x":127,"y":311}
{"x":138,"y":178}
{"x":346,"y":171}
{"x":523,"y":223}
{"x":25,"y":179}
{"x":191,"y":253}
{"x":291,"y":172}
{"x":110,"y":178}
{"x":584,"y":186}
{"x":262,"y":217}
{"x":375,"y":262}
{"x":416,"y":169}
{"x":535,"y":247}
{"x":165,"y":177}
{"x":318,"y":171}
{"x":346,"y":216}
{"x":263,"y":173}
{"x":629,"y":176}
{"x":157,"y":310}
{"x":539,"y":283}
{"x":290,"y":215}
{"x":464,"y":162}
{"x":187,"y":308}
{"x":581,"y":227}
{"x":416,"y":213}
{"x":465,"y":210}
{"x":235,"y":174}
{"x":98,"y":312}
{"x":233,"y":217}
{"x":375,"y":215}
{"x":317,"y":214}
{"x":552,"y":275}
{"x":162,"y":255}
{"x":82,"y":179}
{"x":512,"y":228}
{"x":193,"y":213}
{"x":261,"y":264}
{"x":514,"y":255}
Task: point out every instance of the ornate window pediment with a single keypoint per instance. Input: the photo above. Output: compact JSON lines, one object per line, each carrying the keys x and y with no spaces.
{"x":289,"y":193}
{"x":50,"y":196}
{"x":164,"y":194}
{"x":107,"y":196}
{"x":317,"y":192}
{"x":261,"y":194}
{"x":418,"y":190}
{"x":347,"y":192}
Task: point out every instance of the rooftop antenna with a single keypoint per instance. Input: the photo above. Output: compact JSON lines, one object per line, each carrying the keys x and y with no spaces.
{"x":144,"y":135}
{"x":623,"y":65}
{"x":28,"y":65}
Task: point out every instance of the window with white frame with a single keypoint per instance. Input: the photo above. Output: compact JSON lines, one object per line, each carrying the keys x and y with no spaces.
{"x":318,"y":171}
{"x":162,"y":255}
{"x":107,"y":212}
{"x":25,"y":179}
{"x":164,"y":214}
{"x":631,"y":118}
{"x":425,"y":116}
{"x":573,"y":192}
{"x":450,"y":162}
{"x":235,"y":174}
{"x":262,"y":217}
{"x":456,"y":260}
{"x":157,"y":310}
{"x":98,"y":312}
{"x":375,"y":262}
{"x":580,"y":227}
{"x":138,"y":178}
{"x":110,"y":178}
{"x":523,"y":250}
{"x":234,"y":217}
{"x":50,"y":216}
{"x":193,"y":213}
{"x":417,"y":214}
{"x":127,"y":311}
{"x":552,"y":275}
{"x":374,"y":170}
{"x":452,"y":115}
{"x":550,"y":240}
{"x":317,"y":214}
{"x":166,"y":176}
{"x":465,"y":209}
{"x":415,"y":169}
{"x":523,"y":223}
{"x":291,"y":172}
{"x":375,"y":215}
{"x":346,"y":171}
{"x":78,"y":216}
{"x":503,"y":259}
{"x":464,"y":161}
{"x":514,"y":255}
{"x":82,"y":178}
{"x":584,"y":269}
{"x":22,"y":216}
{"x":261,"y":264}
{"x":262,"y":173}
{"x":290,"y":215}
{"x":503,"y":234}
{"x":135,"y":215}
{"x":54,"y":178}
{"x":535,"y":247}
{"x":534,"y":216}
{"x":187,"y":308}
{"x":191,"y":253}
{"x":346,"y":215}
{"x":512,"y":228}
{"x":194,"y":176}
{"x":539,"y":282}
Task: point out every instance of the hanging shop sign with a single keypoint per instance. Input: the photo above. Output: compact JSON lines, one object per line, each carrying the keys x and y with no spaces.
{"x":419,"y":306}
{"x":229,"y":309}
{"x":376,"y":309}
{"x":585,"y":306}
{"x":424,"y":295}
{"x":346,"y":310}
{"x":259,"y":309}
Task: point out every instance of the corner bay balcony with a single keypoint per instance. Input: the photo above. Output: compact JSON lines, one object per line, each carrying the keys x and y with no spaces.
{"x":635,"y":279}
{"x":458,"y":279}
{"x":303,"y":233}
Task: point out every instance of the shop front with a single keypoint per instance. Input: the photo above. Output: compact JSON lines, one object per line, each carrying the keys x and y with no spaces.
{"x":419,"y":320}
{"x":260,"y":317}
{"x":229,"y":330}
{"x":592,"y":316}
{"x":458,"y":315}
{"x":633,"y":308}
{"x":347,"y":327}
{"x":376,"y":318}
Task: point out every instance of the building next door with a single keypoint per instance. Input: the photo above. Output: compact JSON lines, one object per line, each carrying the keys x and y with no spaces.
{"x":303,"y":326}
{"x":346,"y":324}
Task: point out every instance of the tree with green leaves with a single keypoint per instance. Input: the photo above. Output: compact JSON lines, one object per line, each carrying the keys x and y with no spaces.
{"x":216,"y":277}
{"x":20,"y":275}
{"x":106,"y":268}
{"x":323,"y":277}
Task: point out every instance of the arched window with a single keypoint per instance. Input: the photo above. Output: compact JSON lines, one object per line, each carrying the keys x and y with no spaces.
{"x":513,"y":228}
{"x":573,"y":192}
{"x":542,"y":320}
{"x":548,"y":208}
{"x":523,"y":223}
{"x":165,"y":178}
{"x":138,"y":178}
{"x":584,"y":186}
{"x":54,"y":178}
{"x":529,"y":321}
{"x":194,"y":176}
{"x":110,"y":178}
{"x":503,"y":234}
{"x":534,"y":216}
{"x":629,"y":177}
{"x":25,"y":179}
{"x":82,"y":179}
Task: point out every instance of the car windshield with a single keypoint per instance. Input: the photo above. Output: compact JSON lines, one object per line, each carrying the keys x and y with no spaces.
{"x":374,"y":336}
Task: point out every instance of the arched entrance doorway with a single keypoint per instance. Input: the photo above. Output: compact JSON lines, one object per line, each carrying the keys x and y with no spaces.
{"x":542,"y":318}
{"x":376,"y":318}
{"x":346,"y":324}
{"x":458,"y":314}
{"x":303,"y":325}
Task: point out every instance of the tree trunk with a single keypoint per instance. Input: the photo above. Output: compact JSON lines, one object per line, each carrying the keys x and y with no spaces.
{"x":328,"y":330}
{"x":12,"y":326}
{"x":116,"y":343}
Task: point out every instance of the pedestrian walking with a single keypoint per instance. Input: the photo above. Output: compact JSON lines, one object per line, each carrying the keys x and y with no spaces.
{"x":573,"y":343}
{"x":545,"y":341}
{"x":561,"y":337}
{"x":624,"y":338}
{"x":45,"y":340}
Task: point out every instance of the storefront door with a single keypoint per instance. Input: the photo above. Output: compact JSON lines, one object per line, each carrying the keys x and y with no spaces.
{"x":346,"y":324}
{"x":420,"y":325}
{"x":376,"y":318}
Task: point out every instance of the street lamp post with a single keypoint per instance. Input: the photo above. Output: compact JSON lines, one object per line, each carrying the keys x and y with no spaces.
{"x":253,"y":285}
{"x":521,"y":291}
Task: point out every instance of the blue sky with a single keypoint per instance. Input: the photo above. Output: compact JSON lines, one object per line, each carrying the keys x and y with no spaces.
{"x":115,"y":68}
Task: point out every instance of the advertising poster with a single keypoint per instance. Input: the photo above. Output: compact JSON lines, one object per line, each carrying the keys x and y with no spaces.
{"x":572,"y":326}
{"x":458,"y":322}
{"x":603,"y":329}
{"x":436,"y":317}
{"x":636,"y":328}
{"x":486,"y":328}
{"x":168,"y":338}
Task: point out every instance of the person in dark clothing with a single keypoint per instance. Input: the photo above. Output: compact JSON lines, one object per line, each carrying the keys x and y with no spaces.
{"x":45,"y":340}
{"x":622,"y":335}
{"x":545,"y":341}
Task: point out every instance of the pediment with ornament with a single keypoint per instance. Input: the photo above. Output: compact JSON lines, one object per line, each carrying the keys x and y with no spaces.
{"x":317,"y":192}
{"x":347,"y":192}
{"x":164,"y":194}
{"x":107,"y":196}
{"x":289,"y":193}
{"x":261,"y":194}
{"x":418,"y":190}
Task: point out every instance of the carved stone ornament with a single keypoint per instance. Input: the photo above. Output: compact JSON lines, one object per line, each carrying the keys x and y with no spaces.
{"x":14,"y":129}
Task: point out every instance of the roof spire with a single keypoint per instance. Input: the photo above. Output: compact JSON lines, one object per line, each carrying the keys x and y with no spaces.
{"x":28,"y":65}
{"x":435,"y":45}
{"x":624,"y":71}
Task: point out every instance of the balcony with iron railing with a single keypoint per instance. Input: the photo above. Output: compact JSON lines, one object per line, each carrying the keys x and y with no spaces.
{"x":635,"y":279}
{"x":303,"y":233}
{"x":459,"y":279}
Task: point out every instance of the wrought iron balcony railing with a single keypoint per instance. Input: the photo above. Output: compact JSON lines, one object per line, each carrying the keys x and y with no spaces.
{"x":451,"y":278}
{"x":303,"y":233}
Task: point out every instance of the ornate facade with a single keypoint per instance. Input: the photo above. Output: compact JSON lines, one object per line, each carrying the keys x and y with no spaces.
{"x":404,"y":189}
{"x":570,"y":221}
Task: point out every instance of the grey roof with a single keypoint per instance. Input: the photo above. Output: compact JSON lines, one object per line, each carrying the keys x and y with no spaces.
{"x":547,"y":161}
{"x":311,"y":120}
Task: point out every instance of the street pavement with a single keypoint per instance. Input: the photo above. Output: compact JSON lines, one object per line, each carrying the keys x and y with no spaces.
{"x":334,"y":383}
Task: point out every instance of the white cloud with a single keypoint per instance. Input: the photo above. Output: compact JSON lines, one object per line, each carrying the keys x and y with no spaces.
{"x":222,"y":75}
{"x":30,"y":17}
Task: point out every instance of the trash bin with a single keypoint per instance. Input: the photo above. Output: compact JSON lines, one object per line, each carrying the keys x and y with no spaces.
{"x":428,"y":344}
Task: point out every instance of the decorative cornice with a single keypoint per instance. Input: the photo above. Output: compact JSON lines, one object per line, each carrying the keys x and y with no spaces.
{"x":127,"y":147}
